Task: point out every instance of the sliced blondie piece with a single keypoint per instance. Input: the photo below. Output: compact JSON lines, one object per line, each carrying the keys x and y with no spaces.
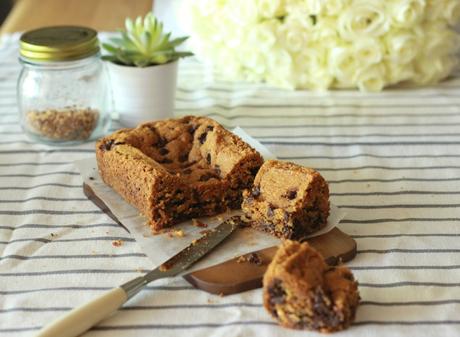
{"x":302,"y":292}
{"x":178,"y":169}
{"x":287,"y":200}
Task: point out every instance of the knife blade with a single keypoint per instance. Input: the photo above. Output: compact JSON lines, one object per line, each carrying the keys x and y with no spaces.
{"x":85,"y":316}
{"x":185,"y":258}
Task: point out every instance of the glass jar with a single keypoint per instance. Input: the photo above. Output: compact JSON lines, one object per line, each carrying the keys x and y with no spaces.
{"x":62,"y":90}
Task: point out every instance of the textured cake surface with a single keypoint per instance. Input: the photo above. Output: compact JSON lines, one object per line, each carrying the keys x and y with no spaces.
{"x":177,"y":169}
{"x":302,"y":292}
{"x":287,"y":200}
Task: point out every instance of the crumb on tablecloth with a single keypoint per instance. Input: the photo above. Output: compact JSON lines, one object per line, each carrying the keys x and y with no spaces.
{"x":117,"y":243}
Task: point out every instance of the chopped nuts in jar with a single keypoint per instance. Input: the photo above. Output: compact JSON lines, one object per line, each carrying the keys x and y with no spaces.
{"x":68,"y":123}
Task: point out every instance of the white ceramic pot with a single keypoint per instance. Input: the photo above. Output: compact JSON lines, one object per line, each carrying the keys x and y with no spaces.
{"x":143,"y":94}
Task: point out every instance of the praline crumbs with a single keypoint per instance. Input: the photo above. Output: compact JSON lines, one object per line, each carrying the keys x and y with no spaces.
{"x":287,"y":200}
{"x":177,"y":169}
{"x":302,"y":292}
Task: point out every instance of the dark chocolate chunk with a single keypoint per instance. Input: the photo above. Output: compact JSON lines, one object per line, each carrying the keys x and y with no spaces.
{"x":254,"y":171}
{"x":286,"y":216}
{"x":276,"y":294}
{"x":183,"y":157}
{"x":163,"y":151}
{"x":255,"y":191}
{"x":165,"y":161}
{"x":270,"y":212}
{"x":192,"y":129}
{"x":291,"y":194}
{"x":202,"y":137}
{"x":210,"y":128}
{"x":254,"y":258}
{"x":207,"y":176}
{"x":162,"y":142}
{"x":208,"y":158}
{"x":107,"y":146}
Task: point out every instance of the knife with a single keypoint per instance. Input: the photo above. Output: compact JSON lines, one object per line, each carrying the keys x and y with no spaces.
{"x":87,"y":315}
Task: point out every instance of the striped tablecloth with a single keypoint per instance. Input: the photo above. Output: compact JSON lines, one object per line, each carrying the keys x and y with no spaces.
{"x":392,"y":161}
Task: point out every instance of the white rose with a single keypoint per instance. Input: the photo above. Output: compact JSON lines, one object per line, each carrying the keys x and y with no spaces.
{"x":439,"y":39}
{"x":334,"y":7}
{"x":263,"y":35}
{"x":298,"y":8}
{"x":310,"y":68}
{"x":270,"y":8}
{"x":363,"y":18}
{"x":242,"y":12}
{"x":208,"y":7}
{"x":293,"y":35}
{"x":226,"y":62}
{"x":314,"y":7}
{"x":343,"y":64}
{"x":429,"y":69}
{"x":399,"y":72}
{"x":405,"y":13}
{"x":279,"y":68}
{"x":370,"y":78}
{"x":252,"y":59}
{"x":368,"y":51}
{"x":325,"y":32}
{"x":452,"y":12}
{"x":434,"y":9}
{"x":403,"y":45}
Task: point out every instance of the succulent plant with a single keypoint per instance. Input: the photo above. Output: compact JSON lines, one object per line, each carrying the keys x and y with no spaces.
{"x":143,"y":43}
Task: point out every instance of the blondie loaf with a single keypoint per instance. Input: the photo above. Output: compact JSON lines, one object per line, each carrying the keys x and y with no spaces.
{"x":302,"y":292}
{"x":287,"y":200}
{"x":177,"y":169}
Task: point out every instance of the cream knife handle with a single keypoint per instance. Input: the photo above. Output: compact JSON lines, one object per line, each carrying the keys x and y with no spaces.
{"x":82,"y":318}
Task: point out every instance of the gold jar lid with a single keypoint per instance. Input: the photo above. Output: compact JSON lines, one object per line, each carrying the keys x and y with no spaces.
{"x":58,"y":43}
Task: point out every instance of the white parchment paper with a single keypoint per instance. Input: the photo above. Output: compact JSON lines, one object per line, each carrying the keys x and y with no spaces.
{"x":161,"y":247}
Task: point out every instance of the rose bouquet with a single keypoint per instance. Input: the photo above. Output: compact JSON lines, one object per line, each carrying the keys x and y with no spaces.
{"x":321,"y":44}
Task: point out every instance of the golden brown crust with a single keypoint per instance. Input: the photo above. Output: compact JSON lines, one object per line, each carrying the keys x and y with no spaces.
{"x":177,"y":168}
{"x":302,"y":292}
{"x":288,"y":200}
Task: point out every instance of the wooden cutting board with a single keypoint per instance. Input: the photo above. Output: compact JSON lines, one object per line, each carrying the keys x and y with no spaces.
{"x":238,"y":275}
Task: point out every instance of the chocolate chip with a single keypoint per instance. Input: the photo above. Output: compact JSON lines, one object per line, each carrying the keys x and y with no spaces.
{"x":348,"y":276}
{"x":192,"y":129}
{"x":162,"y":142}
{"x":91,"y":178}
{"x":291,"y":194}
{"x":183,"y":157}
{"x":254,"y":258}
{"x":202,"y":137}
{"x":270,"y":212}
{"x":276,"y":294}
{"x":208,"y":158}
{"x":163,"y":151}
{"x":217,"y":169}
{"x":165,"y":161}
{"x":207,"y":176}
{"x":210,"y":128}
{"x":287,"y":232}
{"x":255,"y":191}
{"x":177,"y":202}
{"x":254,"y":171}
{"x":286,"y":216}
{"x":107,"y":146}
